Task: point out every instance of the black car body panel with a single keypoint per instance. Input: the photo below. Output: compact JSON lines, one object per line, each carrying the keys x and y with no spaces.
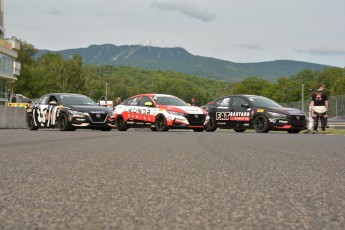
{"x":80,"y":112}
{"x":241,"y":112}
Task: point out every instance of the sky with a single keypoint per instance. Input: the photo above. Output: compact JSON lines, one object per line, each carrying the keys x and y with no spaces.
{"x":241,"y":31}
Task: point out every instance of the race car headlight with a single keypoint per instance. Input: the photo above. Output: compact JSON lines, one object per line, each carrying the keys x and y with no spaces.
{"x":273,"y":114}
{"x":75,"y":113}
{"x":175,"y":113}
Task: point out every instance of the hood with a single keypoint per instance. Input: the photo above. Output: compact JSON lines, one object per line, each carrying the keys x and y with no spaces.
{"x":89,"y":109}
{"x":184,"y":109}
{"x":289,"y":111}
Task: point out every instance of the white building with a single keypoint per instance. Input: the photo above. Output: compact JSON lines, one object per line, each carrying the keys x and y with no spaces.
{"x":9,"y":67}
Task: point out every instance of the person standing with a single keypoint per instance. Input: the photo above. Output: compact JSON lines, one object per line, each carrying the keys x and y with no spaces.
{"x":117,"y":101}
{"x":310,"y":124}
{"x":319,"y":105}
{"x":194,"y":102}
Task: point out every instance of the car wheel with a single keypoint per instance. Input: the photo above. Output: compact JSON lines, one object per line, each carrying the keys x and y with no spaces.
{"x":293,"y":130}
{"x":31,"y":123}
{"x":120,"y":123}
{"x":161,"y":123}
{"x":199,"y":130}
{"x":261,"y":124}
{"x":63,"y":123}
{"x":211,"y":125}
{"x":238,"y":130}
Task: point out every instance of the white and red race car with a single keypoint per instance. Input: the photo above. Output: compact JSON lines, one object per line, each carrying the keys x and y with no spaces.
{"x":160,"y":112}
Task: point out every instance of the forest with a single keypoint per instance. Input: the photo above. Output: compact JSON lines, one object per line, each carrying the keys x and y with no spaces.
{"x":51,"y":73}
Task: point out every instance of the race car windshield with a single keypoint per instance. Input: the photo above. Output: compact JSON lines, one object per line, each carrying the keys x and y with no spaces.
{"x":263,"y":102}
{"x":76,"y":100}
{"x":169,"y":101}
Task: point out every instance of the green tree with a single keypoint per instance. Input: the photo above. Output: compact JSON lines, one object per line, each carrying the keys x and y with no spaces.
{"x":251,"y":85}
{"x":24,"y":83}
{"x":330,"y":77}
{"x":73,"y":77}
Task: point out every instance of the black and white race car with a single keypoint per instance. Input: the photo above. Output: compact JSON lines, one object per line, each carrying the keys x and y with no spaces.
{"x":241,"y":112}
{"x":68,"y":112}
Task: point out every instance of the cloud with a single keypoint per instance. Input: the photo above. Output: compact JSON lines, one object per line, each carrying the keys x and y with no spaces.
{"x":249,"y":46}
{"x":187,"y":9}
{"x":55,"y":12}
{"x":322,"y":51}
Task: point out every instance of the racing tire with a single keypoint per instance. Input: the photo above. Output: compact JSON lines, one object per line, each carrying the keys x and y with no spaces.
{"x":239,"y":130}
{"x":31,"y":122}
{"x":161,"y":123}
{"x":211,"y":125}
{"x":199,"y":129}
{"x":63,"y":123}
{"x":293,"y":131}
{"x":120,"y":123}
{"x":261,"y":124}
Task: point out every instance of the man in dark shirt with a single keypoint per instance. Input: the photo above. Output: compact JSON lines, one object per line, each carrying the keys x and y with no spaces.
{"x":319,"y":105}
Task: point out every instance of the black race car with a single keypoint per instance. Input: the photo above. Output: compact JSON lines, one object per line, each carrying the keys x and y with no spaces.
{"x":241,"y":112}
{"x":68,"y":112}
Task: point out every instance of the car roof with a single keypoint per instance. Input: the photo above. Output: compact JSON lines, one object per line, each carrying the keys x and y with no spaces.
{"x":240,"y":95}
{"x":244,"y":95}
{"x":154,"y":94}
{"x":62,"y":94}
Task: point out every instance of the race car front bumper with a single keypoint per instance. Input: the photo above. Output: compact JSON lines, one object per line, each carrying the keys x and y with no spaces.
{"x":85,"y":120}
{"x":191,"y":121}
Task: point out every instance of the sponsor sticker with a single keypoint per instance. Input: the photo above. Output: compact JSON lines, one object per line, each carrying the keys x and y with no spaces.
{"x":239,"y":118}
{"x":139,"y":110}
{"x":233,"y":116}
{"x":283,"y":122}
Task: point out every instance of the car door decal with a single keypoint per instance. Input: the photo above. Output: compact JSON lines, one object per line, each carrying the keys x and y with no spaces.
{"x":41,"y":112}
{"x":45,"y":115}
{"x":233,"y":116}
{"x":222,"y":116}
{"x":141,"y":113}
{"x":51,"y":116}
{"x":240,"y":116}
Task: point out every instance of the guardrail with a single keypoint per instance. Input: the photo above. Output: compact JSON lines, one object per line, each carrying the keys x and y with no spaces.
{"x":336,"y":124}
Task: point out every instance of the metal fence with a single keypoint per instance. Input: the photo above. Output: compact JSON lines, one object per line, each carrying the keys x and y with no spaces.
{"x":336,"y":105}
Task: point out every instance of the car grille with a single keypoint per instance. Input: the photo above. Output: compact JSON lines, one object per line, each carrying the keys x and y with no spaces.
{"x":98,"y":117}
{"x":298,"y":120}
{"x":196,"y":119}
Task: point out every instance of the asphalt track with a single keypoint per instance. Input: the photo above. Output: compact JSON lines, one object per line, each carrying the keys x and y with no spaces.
{"x":141,"y":179}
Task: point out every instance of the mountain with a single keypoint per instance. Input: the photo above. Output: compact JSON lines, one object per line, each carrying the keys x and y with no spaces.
{"x":179,"y":60}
